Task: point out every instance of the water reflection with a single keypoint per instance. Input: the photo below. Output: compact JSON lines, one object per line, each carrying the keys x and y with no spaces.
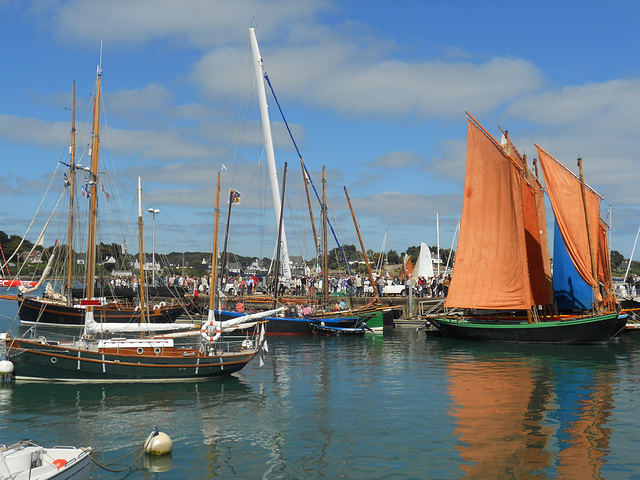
{"x":116,"y":418}
{"x":526,"y":411}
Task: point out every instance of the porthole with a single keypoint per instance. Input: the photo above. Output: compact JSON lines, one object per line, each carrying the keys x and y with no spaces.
{"x":54,"y":360}
{"x":157,"y":350}
{"x":140,"y":350}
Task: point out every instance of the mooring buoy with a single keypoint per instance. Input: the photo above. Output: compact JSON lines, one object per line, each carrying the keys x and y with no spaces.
{"x":158,"y":443}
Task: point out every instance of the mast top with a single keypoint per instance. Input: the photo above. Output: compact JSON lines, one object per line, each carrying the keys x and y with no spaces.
{"x":100,"y":62}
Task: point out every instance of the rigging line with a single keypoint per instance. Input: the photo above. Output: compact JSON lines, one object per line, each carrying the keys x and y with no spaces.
{"x":333,"y":214}
{"x":41,"y":146}
{"x":46,"y":224}
{"x":455,"y":233}
{"x":305,"y":169}
{"x":34,"y":217}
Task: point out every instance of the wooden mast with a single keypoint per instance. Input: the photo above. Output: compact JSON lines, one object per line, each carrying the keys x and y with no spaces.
{"x":226,"y":237}
{"x":305,"y":181}
{"x":364,"y":252}
{"x":93,"y":189}
{"x":143,"y":302}
{"x":325,"y":257}
{"x":72,"y":194}
{"x":279,"y":246}
{"x":216,"y":216}
{"x":594,"y":266}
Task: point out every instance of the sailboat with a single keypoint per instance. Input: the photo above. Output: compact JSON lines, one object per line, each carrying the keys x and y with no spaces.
{"x":286,"y":324}
{"x":424,"y":265}
{"x":100,"y":358}
{"x":501,"y":283}
{"x":61,"y":308}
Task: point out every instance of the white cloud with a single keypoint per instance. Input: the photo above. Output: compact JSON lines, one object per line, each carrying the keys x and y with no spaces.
{"x":396,"y":160}
{"x":597,"y":122}
{"x":195,"y":23}
{"x":339,"y":74}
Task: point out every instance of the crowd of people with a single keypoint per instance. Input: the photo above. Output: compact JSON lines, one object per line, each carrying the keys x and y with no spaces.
{"x":352,"y":285}
{"x":633,"y":285}
{"x":357,"y":285}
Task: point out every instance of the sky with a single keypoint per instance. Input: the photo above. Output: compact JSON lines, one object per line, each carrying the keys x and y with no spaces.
{"x":373,"y":92}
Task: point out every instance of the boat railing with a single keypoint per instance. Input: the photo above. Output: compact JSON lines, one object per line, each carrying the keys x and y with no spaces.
{"x":234,"y":345}
{"x":430,"y":307}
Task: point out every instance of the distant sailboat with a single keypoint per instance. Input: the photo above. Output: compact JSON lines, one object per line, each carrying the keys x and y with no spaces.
{"x":424,"y":265}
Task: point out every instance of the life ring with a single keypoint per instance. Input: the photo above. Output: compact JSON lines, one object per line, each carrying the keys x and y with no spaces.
{"x":206,"y":330}
{"x":156,"y":307}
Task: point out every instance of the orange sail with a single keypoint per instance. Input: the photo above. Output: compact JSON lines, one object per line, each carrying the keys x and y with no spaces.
{"x":408,"y":268}
{"x":500,"y":257}
{"x":565,"y":193}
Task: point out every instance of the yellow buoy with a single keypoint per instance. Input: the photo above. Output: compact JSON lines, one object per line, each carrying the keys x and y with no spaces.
{"x":158,"y":443}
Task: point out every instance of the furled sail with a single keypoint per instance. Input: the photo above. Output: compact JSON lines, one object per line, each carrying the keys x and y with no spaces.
{"x":45,"y":273}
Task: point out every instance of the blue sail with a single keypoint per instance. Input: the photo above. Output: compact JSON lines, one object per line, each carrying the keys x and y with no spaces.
{"x":570,"y":290}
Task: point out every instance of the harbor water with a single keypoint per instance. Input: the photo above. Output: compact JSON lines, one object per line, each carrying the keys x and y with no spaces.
{"x":397,"y":405}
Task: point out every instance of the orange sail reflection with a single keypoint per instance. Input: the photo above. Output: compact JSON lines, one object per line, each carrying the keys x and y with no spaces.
{"x":524,"y":419}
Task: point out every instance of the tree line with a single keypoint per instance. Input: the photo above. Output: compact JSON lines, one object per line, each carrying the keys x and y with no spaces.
{"x":194,"y":260}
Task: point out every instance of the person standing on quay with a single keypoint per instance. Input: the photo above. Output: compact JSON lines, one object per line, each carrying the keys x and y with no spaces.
{"x":358,"y":285}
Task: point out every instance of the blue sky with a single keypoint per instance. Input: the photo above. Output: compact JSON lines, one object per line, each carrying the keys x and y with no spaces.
{"x":374,"y":91}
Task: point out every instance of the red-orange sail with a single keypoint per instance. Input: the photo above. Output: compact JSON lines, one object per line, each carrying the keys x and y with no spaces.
{"x":500,"y":256}
{"x":565,"y":193}
{"x":408,"y":268}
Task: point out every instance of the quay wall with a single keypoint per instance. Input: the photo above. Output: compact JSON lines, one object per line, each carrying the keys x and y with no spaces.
{"x":411,"y":309}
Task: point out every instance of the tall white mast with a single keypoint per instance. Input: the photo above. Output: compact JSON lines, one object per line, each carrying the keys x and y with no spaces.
{"x":268,"y":145}
{"x":438,"y":240}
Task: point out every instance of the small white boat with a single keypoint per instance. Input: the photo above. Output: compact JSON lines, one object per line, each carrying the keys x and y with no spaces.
{"x":28,"y":460}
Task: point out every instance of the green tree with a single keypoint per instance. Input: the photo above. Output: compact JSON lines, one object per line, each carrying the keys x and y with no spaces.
{"x":393,"y":257}
{"x":616,"y":258}
{"x":413,"y":252}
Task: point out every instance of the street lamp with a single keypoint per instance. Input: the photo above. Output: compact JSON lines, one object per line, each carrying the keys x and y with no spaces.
{"x":154,"y":212}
